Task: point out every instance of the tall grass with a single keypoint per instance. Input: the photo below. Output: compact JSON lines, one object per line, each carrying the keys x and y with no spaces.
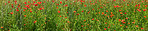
{"x":73,"y":15}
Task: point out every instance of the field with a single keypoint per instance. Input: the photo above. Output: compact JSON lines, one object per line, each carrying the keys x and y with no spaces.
{"x":73,"y":15}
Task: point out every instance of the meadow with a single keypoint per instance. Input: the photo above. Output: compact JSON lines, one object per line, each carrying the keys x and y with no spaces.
{"x":73,"y":15}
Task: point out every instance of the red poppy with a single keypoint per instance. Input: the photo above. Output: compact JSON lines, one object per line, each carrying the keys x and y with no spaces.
{"x":141,"y":28}
{"x":58,"y":11}
{"x":35,"y":21}
{"x":126,"y":18}
{"x":93,"y":19}
{"x":114,"y":6}
{"x":25,"y":3}
{"x":1,"y":27}
{"x":104,"y":28}
{"x":65,"y":17}
{"x":144,"y":9}
{"x":24,"y":24}
{"x":8,"y":1}
{"x":36,"y":4}
{"x":123,"y":22}
{"x":92,"y":9}
{"x":81,"y":25}
{"x":145,"y":5}
{"x":78,"y":14}
{"x":74,"y":11}
{"x":65,"y":5}
{"x":24,"y":15}
{"x":52,"y":1}
{"x":11,"y":12}
{"x":82,"y":11}
{"x":84,"y":20}
{"x":85,"y":5}
{"x":125,"y":12}
{"x":17,"y":10}
{"x":25,"y":8}
{"x":144,"y":16}
{"x":30,"y":11}
{"x":61,"y":2}
{"x":123,"y":0}
{"x":57,"y":7}
{"x":119,"y":10}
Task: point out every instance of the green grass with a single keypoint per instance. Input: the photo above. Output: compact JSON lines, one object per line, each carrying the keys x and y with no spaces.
{"x":56,"y":16}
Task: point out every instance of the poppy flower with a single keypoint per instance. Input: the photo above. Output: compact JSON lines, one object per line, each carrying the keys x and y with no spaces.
{"x":119,"y":10}
{"x":24,"y":24}
{"x":123,"y":22}
{"x":24,"y":15}
{"x":136,"y":25}
{"x":123,"y":0}
{"x":114,"y":0}
{"x":25,"y":3}
{"x":61,"y":2}
{"x":78,"y":14}
{"x":144,"y":16}
{"x":74,"y":11}
{"x":1,"y":27}
{"x":144,"y":9}
{"x":141,"y":28}
{"x":145,"y":5}
{"x":11,"y":12}
{"x":81,"y":25}
{"x":60,"y":16}
{"x":58,"y":11}
{"x":35,"y":21}
{"x":36,"y":4}
{"x":104,"y":28}
{"x":52,"y":1}
{"x":92,"y":9}
{"x":65,"y":17}
{"x":68,"y":22}
{"x":82,"y":11}
{"x":93,"y":19}
{"x":30,"y":11}
{"x":8,"y":1}
{"x":84,"y":20}
{"x":114,"y":6}
{"x":65,"y":5}
{"x":85,"y":5}
{"x":17,"y":10}
{"x":125,"y":13}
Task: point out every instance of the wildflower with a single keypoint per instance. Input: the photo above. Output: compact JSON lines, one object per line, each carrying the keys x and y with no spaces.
{"x":1,"y":27}
{"x":36,"y":4}
{"x":58,"y":11}
{"x":104,"y":28}
{"x":61,"y":2}
{"x":35,"y":21}
{"x":144,"y":9}
{"x":74,"y":11}
{"x":24,"y":24}
{"x":82,"y":11}
{"x":24,"y":15}
{"x":24,"y":2}
{"x":93,"y":19}
{"x":78,"y":14}
{"x":141,"y":28}
{"x":11,"y":12}
{"x":17,"y":10}
{"x":144,"y":16}
{"x":65,"y":5}
{"x":85,"y":5}
{"x":84,"y":20}
{"x":119,"y":10}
